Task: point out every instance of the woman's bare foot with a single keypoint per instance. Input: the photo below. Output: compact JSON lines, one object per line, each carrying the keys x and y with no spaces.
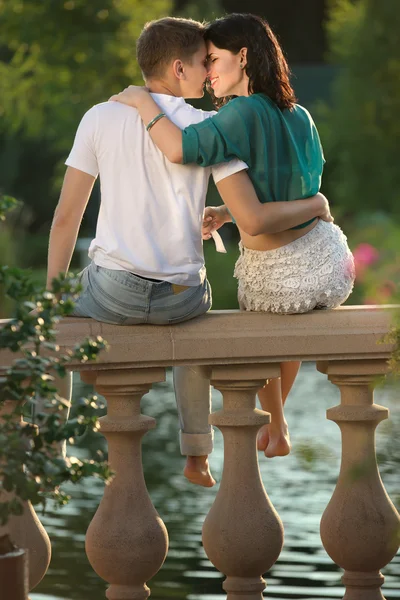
{"x":197,"y":471}
{"x":274,"y":442}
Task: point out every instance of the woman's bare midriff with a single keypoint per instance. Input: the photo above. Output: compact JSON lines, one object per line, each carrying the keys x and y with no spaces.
{"x":271,"y":241}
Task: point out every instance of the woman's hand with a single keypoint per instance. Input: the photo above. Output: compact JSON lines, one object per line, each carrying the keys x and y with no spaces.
{"x":131,"y":95}
{"x":325,"y":214}
{"x":214,"y":217}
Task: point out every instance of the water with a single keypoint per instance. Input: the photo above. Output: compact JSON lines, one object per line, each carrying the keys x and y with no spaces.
{"x":299,"y":486}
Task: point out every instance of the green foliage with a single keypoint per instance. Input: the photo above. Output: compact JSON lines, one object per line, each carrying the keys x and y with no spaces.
{"x":31,"y":467}
{"x":220,"y":274}
{"x":394,"y":338}
{"x":7,"y":243}
{"x":375,"y":242}
{"x":7,"y":203}
{"x":360,"y":132}
{"x":62,"y":57}
{"x":57,"y":59}
{"x":8,"y":248}
{"x":206,"y":10}
{"x":312,"y":456}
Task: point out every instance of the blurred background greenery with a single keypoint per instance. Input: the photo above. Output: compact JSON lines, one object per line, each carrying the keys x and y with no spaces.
{"x":59,"y":58}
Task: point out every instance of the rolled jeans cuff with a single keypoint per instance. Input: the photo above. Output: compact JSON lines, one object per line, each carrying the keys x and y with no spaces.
{"x":196,"y":444}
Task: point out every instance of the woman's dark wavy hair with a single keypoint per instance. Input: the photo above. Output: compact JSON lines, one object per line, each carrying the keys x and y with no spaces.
{"x":266,"y":66}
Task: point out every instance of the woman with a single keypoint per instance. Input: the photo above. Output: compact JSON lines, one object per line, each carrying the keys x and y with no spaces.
{"x":307,"y":267}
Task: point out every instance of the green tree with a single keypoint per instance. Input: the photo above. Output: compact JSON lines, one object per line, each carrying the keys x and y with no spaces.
{"x":361,"y":131}
{"x":206,"y":10}
{"x":56,"y":60}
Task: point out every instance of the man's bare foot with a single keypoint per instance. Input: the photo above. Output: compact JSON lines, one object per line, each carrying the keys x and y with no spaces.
{"x":274,"y":442}
{"x":197,"y":471}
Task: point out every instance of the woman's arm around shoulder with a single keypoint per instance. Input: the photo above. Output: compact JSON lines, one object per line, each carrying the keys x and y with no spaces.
{"x":165,"y":134}
{"x":217,"y":139}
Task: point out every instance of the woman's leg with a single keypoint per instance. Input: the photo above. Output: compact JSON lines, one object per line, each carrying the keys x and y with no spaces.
{"x":274,"y":438}
{"x":289,"y":371}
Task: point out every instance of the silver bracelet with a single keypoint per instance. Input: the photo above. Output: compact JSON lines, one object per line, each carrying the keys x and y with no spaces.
{"x":154,"y":121}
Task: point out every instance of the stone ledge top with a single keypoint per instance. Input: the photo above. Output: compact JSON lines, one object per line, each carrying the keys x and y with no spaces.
{"x":234,"y":337}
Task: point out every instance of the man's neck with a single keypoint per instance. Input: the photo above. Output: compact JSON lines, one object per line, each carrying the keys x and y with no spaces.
{"x":162,"y":87}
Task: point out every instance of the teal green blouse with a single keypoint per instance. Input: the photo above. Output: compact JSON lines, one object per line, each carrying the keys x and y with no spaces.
{"x":281,"y":148}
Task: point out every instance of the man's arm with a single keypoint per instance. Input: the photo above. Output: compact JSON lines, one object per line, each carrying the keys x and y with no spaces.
{"x":67,"y":218}
{"x":255,"y":218}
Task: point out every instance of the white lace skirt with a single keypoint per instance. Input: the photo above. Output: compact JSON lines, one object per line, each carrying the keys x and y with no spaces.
{"x":315,"y":271}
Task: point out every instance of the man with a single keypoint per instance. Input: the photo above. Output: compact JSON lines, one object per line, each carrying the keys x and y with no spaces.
{"x":147,"y":257}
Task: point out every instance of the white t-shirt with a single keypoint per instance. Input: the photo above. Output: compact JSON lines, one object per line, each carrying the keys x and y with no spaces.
{"x":151,"y":210}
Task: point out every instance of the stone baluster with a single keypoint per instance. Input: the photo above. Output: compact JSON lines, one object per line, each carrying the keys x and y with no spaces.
{"x":26,"y":531}
{"x":127,"y":541}
{"x":360,"y":526}
{"x":242,"y":534}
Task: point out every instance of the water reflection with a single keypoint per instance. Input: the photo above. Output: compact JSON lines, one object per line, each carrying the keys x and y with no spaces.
{"x":298,"y":486}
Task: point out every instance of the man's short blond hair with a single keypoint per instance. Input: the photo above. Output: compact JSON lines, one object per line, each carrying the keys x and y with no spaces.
{"x":165,"y":40}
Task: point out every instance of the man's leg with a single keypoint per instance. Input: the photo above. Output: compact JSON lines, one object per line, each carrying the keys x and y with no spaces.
{"x":159,"y":303}
{"x":193,"y":398}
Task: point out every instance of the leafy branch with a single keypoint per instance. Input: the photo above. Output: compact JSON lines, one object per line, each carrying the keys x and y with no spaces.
{"x":31,"y":465}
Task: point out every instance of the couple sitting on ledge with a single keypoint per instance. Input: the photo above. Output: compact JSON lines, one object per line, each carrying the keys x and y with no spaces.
{"x":154,"y":154}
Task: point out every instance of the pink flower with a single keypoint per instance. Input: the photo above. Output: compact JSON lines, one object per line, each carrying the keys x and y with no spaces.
{"x":364,"y":255}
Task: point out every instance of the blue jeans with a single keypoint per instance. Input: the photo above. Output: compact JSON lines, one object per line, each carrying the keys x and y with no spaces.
{"x":122,"y":298}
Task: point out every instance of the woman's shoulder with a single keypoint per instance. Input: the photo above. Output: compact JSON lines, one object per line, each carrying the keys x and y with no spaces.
{"x":255,"y":104}
{"x":251,"y":108}
{"x":244,"y":105}
{"x":300,"y":112}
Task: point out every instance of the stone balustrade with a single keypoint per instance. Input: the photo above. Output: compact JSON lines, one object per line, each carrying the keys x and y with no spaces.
{"x":242,"y":535}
